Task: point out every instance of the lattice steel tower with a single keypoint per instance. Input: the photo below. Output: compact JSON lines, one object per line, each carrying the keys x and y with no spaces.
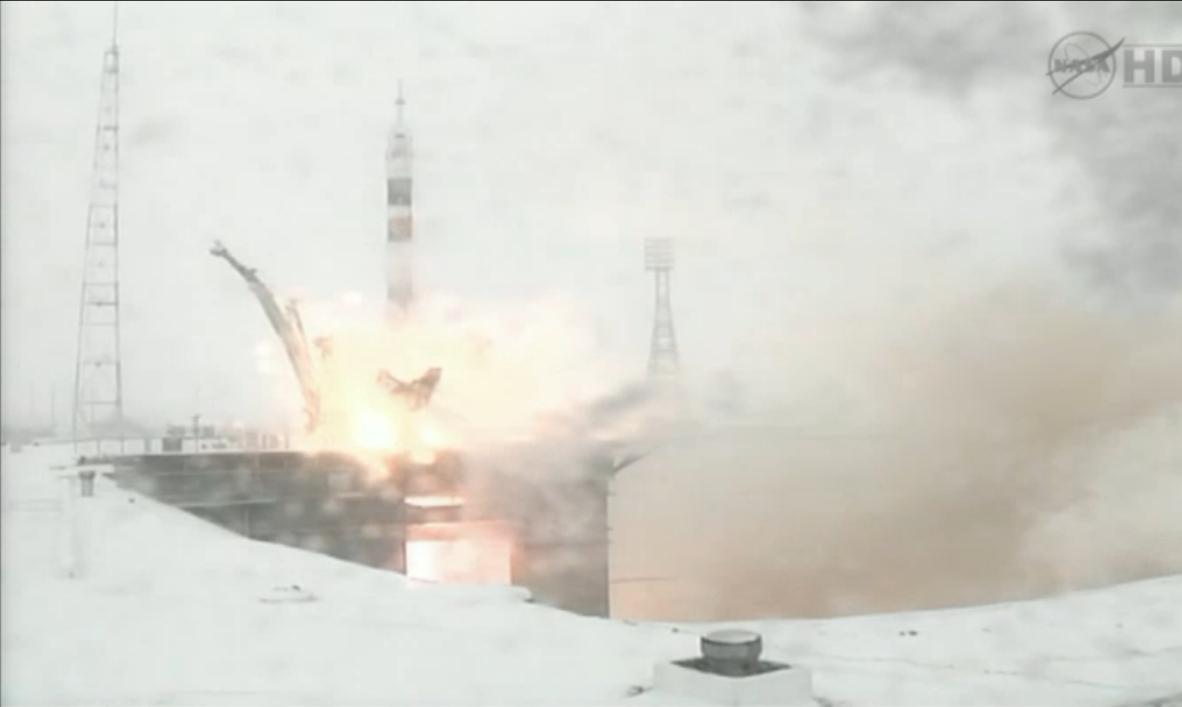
{"x":658,"y":258}
{"x":98,"y":374}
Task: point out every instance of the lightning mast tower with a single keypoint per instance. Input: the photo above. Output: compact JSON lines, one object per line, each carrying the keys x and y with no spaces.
{"x":399,"y":215}
{"x":663,"y":359}
{"x":98,"y":372}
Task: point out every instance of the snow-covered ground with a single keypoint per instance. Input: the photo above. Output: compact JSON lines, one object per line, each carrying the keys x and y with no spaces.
{"x":117,"y":600}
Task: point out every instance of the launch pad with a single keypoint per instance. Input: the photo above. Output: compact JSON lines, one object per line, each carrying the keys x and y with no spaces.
{"x":438,"y":522}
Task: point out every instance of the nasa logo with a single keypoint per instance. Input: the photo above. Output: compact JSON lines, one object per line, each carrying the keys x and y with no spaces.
{"x":1082,"y":65}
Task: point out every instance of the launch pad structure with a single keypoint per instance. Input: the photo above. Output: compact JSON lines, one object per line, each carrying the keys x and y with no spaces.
{"x":546,"y":532}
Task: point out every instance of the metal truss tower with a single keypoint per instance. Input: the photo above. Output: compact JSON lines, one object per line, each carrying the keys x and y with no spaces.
{"x":663,"y":359}
{"x":98,"y":373}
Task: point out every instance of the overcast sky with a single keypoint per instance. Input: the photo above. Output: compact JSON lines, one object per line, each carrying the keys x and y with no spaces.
{"x":821,"y":168}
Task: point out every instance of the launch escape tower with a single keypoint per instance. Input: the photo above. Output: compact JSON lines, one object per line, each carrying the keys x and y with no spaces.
{"x":658,"y":258}
{"x":98,"y":372}
{"x":399,"y":215}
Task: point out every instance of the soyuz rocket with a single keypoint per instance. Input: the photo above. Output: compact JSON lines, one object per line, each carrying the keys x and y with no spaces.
{"x":399,"y":216}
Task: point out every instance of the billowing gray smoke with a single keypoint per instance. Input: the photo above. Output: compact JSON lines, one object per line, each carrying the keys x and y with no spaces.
{"x":951,"y":444}
{"x":1020,"y":444}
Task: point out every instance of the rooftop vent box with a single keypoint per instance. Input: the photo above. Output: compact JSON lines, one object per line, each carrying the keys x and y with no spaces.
{"x":730,"y":672}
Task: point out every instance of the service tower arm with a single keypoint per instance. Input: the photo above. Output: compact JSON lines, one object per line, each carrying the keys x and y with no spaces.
{"x":289,"y":331}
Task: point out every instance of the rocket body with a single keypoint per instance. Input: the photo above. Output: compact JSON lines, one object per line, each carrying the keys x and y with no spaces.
{"x":399,"y":218}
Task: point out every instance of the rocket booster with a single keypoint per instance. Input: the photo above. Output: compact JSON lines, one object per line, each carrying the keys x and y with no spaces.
{"x":399,"y":215}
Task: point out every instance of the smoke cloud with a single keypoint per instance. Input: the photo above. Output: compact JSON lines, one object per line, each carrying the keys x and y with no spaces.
{"x":1017,"y":444}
